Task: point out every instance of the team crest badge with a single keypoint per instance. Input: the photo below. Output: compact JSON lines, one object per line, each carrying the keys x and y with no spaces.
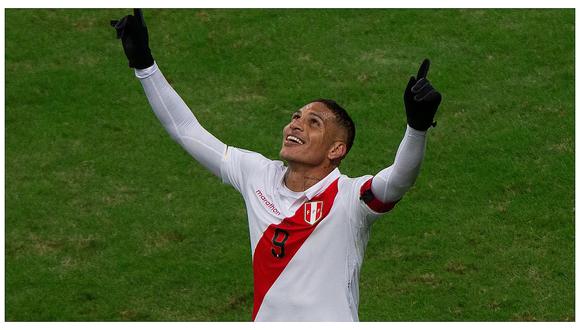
{"x":312,"y":212}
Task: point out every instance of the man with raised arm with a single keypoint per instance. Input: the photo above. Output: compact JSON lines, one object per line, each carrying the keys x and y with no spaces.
{"x":309,"y":224}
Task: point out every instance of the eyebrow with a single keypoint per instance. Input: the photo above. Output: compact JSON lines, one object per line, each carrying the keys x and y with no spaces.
{"x":299,"y":112}
{"x":317,"y":115}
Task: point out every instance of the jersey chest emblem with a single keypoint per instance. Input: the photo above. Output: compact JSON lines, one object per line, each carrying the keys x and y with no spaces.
{"x":313,"y":212}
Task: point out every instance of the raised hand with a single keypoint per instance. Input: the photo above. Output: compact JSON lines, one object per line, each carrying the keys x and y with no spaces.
{"x":132,"y":31}
{"x":421,"y":100}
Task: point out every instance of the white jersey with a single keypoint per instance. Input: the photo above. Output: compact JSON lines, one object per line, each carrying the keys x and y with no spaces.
{"x":307,"y":247}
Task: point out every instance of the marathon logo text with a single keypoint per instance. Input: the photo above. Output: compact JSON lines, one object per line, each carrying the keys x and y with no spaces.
{"x":268,"y":204}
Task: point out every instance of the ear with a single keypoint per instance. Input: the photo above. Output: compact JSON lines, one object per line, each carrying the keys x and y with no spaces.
{"x":337,"y":151}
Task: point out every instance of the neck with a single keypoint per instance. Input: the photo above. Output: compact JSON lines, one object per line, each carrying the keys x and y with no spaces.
{"x":299,"y":178}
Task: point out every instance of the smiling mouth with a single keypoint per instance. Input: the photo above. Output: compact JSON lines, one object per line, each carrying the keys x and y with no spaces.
{"x":294,"y":139}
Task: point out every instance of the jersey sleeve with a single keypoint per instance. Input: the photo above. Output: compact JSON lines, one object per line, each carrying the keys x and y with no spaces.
{"x":366,"y":206}
{"x":241,"y":166}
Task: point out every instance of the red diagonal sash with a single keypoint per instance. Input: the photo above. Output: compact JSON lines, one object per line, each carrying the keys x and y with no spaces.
{"x":279,"y":243}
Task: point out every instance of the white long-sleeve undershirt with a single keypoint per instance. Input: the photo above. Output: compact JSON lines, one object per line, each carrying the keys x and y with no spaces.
{"x":388,"y":185}
{"x":179,"y":121}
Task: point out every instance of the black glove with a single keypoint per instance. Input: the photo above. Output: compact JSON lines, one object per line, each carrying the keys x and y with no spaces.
{"x":421,"y":100}
{"x":133,"y":32}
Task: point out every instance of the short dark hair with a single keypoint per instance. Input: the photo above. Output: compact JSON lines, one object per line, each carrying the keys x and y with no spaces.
{"x":342,"y":118}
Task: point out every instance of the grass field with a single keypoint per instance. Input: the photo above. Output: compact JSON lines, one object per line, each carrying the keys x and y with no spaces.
{"x":108,"y":219}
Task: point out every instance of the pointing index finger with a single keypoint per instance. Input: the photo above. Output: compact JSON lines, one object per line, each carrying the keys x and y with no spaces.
{"x":423,"y":69}
{"x":138,"y":13}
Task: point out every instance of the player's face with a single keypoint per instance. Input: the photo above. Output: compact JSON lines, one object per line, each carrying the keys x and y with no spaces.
{"x":310,"y":136}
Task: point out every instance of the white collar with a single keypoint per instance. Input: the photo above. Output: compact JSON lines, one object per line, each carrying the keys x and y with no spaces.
{"x":316,"y":189}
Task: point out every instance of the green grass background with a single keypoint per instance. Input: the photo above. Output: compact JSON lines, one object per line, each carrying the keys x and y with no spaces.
{"x":108,"y":219}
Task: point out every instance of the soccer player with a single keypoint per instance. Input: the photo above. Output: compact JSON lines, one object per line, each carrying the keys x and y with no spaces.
{"x":309,"y":224}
